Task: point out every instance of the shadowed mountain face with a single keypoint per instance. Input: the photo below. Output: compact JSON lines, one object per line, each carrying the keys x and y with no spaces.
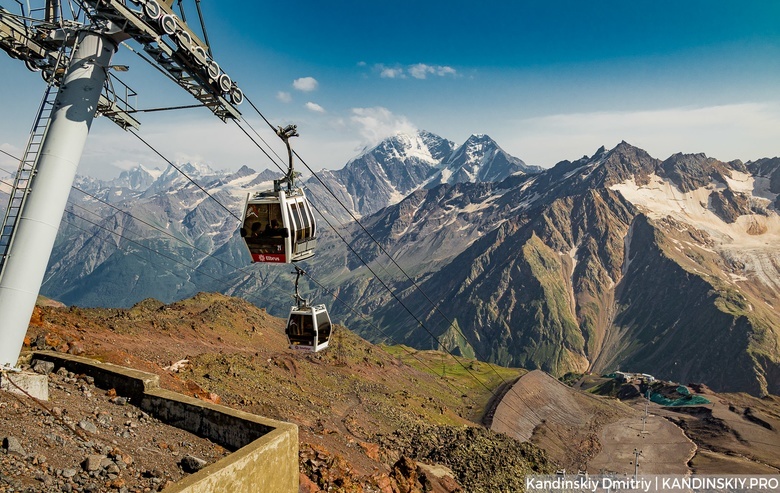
{"x":618,"y":260}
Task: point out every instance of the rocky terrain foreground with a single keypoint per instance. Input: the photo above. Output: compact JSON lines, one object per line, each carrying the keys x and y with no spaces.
{"x":88,"y":439}
{"x":370,"y":418}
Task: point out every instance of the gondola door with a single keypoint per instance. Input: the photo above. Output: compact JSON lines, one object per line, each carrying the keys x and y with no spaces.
{"x":302,"y":227}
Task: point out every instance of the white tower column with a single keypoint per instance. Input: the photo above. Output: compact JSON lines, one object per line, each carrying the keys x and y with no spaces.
{"x":39,"y":220}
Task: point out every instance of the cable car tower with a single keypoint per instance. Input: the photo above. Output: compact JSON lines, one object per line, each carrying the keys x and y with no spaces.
{"x":72,"y":44}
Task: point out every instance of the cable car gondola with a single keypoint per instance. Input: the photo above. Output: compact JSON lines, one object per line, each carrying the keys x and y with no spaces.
{"x":278,"y":225}
{"x":308,"y":326}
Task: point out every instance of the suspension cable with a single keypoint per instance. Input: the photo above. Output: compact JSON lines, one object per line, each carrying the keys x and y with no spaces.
{"x":451,"y":323}
{"x":395,"y":296}
{"x":493,"y":392}
{"x":183,"y":173}
{"x":323,"y":216}
{"x":419,"y":322}
{"x":468,"y":370}
{"x":441,"y":382}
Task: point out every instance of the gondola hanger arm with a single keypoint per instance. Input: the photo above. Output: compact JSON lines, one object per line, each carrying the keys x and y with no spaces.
{"x":285,"y":133}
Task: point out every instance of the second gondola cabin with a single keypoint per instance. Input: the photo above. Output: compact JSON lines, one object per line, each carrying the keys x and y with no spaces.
{"x":278,"y":226}
{"x":308,"y":328}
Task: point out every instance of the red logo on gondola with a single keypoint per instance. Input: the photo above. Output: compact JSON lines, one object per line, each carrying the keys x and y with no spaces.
{"x":269,"y":257}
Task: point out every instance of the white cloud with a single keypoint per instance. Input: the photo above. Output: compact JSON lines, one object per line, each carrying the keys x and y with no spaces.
{"x":390,"y":72}
{"x":417,"y":70}
{"x":422,"y":70}
{"x":284,"y":97}
{"x":10,"y":163}
{"x":305,"y":84}
{"x":737,"y":131}
{"x":377,"y":123}
{"x":445,"y":70}
{"x":314,"y":107}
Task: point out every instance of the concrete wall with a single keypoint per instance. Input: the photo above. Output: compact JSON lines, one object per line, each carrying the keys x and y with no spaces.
{"x":266,"y":451}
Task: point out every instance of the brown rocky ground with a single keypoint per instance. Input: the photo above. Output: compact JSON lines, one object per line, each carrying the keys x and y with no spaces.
{"x":89,"y":439}
{"x":563,"y":421}
{"x":370,"y":419}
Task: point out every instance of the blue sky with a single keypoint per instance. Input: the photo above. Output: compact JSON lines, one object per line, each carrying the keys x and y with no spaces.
{"x":548,"y":80}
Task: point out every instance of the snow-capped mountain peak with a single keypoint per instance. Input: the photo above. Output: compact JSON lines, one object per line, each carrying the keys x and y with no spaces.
{"x":479,"y":159}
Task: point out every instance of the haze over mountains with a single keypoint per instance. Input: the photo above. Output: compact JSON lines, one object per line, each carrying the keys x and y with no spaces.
{"x":616,"y":260}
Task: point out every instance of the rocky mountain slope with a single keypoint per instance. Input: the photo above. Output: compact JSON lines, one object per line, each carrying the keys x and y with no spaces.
{"x":153,"y":233}
{"x":150,"y":233}
{"x":615,"y":260}
{"x":387,"y":419}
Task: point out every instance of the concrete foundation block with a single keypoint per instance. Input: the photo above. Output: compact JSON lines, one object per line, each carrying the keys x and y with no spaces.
{"x":25,"y":383}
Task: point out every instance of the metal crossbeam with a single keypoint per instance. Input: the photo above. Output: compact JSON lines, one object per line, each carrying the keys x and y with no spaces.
{"x":16,"y":40}
{"x":43,"y":47}
{"x":176,"y":50}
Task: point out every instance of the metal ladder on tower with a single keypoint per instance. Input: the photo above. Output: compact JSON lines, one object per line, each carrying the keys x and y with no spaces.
{"x":25,"y":173}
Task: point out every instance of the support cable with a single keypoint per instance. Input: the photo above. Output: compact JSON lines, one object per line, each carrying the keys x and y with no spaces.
{"x":409,"y":351}
{"x":279,"y":166}
{"x":349,"y":306}
{"x":281,"y":162}
{"x":146,"y":223}
{"x":183,"y":173}
{"x":451,"y":323}
{"x":203,"y":28}
{"x":136,"y":243}
{"x":387,"y":288}
{"x":153,"y":251}
{"x":393,"y":294}
{"x":317,"y":282}
{"x":235,"y":216}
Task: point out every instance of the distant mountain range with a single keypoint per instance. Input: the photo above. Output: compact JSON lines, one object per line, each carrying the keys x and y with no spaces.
{"x":390,"y":171}
{"x":617,"y":260}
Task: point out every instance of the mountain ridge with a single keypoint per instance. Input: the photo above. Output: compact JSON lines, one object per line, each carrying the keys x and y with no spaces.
{"x":386,"y":173}
{"x":536,"y":269}
{"x":576,"y":306}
